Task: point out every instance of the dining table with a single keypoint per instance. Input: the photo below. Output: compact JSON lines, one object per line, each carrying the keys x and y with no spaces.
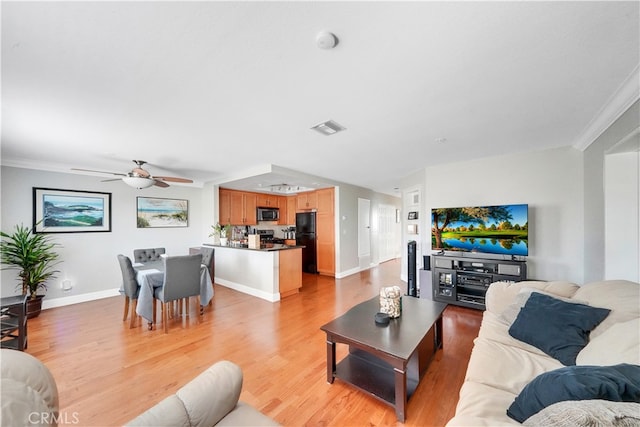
{"x":150,"y":275}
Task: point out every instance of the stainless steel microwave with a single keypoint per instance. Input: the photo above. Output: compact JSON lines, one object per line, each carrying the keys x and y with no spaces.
{"x":268,"y":214}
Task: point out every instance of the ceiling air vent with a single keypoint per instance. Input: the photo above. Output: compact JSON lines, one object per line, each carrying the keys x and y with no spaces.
{"x":328,"y":128}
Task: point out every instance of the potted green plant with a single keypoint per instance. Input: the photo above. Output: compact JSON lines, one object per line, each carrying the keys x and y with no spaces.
{"x":222,"y":232}
{"x":35,"y":256}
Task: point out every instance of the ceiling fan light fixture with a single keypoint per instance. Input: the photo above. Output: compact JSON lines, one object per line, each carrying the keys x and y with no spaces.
{"x":328,"y":128}
{"x":138,"y":181}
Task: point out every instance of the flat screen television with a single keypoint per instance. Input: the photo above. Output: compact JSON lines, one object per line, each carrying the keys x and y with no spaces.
{"x":502,"y":229}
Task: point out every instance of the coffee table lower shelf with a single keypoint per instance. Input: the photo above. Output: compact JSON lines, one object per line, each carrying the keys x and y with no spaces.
{"x":371,"y":375}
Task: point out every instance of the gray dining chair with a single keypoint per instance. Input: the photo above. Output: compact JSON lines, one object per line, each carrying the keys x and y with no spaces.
{"x":148,"y":255}
{"x":181,"y":281}
{"x":130,"y":288}
{"x":208,"y":259}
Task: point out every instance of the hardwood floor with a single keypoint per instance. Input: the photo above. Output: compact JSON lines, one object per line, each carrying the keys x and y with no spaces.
{"x":107,"y":373}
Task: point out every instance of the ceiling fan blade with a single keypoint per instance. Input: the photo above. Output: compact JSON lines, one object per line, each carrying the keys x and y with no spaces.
{"x":160,"y":184}
{"x":174,"y":179}
{"x":113,"y":179}
{"x":91,"y":170}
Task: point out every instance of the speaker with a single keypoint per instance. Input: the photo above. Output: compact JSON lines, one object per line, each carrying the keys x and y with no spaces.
{"x":412,"y":279}
{"x":426,"y":262}
{"x":509,"y":269}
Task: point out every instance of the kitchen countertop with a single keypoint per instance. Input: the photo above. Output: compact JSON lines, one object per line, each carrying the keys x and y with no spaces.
{"x":270,"y":248}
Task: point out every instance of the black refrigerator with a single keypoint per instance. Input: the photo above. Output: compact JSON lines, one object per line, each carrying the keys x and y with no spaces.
{"x":306,"y":236}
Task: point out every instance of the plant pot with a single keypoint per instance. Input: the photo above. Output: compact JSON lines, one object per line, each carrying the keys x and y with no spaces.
{"x":34,"y":306}
{"x":224,"y":241}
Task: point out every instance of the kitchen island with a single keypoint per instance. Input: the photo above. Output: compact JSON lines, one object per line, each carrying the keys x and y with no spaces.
{"x":269,"y":273}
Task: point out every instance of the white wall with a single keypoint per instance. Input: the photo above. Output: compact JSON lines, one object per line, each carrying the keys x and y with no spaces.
{"x":549,"y":181}
{"x":594,"y":155}
{"x":89,"y":259}
{"x":622,"y":210}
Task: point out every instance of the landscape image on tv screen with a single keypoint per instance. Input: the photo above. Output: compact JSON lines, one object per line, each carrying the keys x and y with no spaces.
{"x":502,"y":229}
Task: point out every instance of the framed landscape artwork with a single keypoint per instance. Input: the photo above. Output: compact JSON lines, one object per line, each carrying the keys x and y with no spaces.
{"x":70,"y":211}
{"x":155,"y":212}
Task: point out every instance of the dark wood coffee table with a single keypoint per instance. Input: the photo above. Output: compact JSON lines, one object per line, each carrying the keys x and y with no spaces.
{"x":386,"y":361}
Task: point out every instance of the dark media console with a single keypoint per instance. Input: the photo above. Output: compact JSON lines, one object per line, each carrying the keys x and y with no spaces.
{"x":464,"y":280}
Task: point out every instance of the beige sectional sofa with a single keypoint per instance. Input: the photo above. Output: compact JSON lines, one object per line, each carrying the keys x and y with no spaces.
{"x":501,"y":367}
{"x":29,"y":397}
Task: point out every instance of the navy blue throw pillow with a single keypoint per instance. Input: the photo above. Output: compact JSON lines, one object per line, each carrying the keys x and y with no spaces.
{"x":619,"y":383}
{"x":560,"y":329}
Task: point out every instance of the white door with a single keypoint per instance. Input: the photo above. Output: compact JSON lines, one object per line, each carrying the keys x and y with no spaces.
{"x":388,"y":240}
{"x":364,"y":232}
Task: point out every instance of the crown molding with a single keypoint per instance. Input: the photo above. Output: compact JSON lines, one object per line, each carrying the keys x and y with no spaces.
{"x":620,"y":101}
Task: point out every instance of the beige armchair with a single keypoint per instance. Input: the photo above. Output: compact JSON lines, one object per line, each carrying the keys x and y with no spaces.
{"x":28,"y":394}
{"x":210,"y":399}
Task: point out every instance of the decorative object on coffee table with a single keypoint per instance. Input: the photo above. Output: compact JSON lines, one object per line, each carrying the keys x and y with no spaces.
{"x":391,"y":301}
{"x":381,"y":319}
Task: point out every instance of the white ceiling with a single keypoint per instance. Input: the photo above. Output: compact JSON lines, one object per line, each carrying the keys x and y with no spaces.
{"x":214,"y":90}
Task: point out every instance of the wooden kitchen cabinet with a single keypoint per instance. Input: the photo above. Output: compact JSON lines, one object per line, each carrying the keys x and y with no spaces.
{"x":267,"y":200}
{"x":325,"y":232}
{"x":224,"y":202}
{"x":325,"y":246}
{"x":307,"y":201}
{"x":291,"y":210}
{"x":325,"y":200}
{"x":283,"y":208}
{"x":237,"y":207}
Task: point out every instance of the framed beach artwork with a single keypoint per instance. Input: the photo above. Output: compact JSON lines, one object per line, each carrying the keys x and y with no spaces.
{"x":70,"y":211}
{"x":156,"y":212}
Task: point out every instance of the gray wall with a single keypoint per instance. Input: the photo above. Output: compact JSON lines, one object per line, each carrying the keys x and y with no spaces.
{"x":594,"y":224}
{"x":549,"y":181}
{"x":89,"y":259}
{"x":564,"y":189}
{"x":347,"y":226}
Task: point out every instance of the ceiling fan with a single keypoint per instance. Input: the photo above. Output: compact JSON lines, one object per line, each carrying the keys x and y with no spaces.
{"x":139,"y":177}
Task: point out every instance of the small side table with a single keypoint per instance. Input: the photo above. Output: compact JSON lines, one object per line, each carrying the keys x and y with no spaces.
{"x":13,"y":322}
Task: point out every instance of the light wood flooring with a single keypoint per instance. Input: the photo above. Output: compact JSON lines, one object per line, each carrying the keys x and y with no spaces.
{"x":107,"y":373}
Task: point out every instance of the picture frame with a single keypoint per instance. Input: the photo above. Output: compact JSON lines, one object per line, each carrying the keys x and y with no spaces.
{"x":412,"y":229}
{"x":413,"y":215}
{"x":70,"y":211}
{"x":155,"y":212}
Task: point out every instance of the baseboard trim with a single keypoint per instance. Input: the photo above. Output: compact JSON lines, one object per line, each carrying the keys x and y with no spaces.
{"x":355,"y":270}
{"x":76,"y":299}
{"x":248,"y":290}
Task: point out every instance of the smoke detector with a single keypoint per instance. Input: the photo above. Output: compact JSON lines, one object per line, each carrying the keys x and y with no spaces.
{"x":326,"y":40}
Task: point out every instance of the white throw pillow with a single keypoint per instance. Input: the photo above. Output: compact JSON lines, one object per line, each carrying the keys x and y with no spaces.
{"x":618,"y":344}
